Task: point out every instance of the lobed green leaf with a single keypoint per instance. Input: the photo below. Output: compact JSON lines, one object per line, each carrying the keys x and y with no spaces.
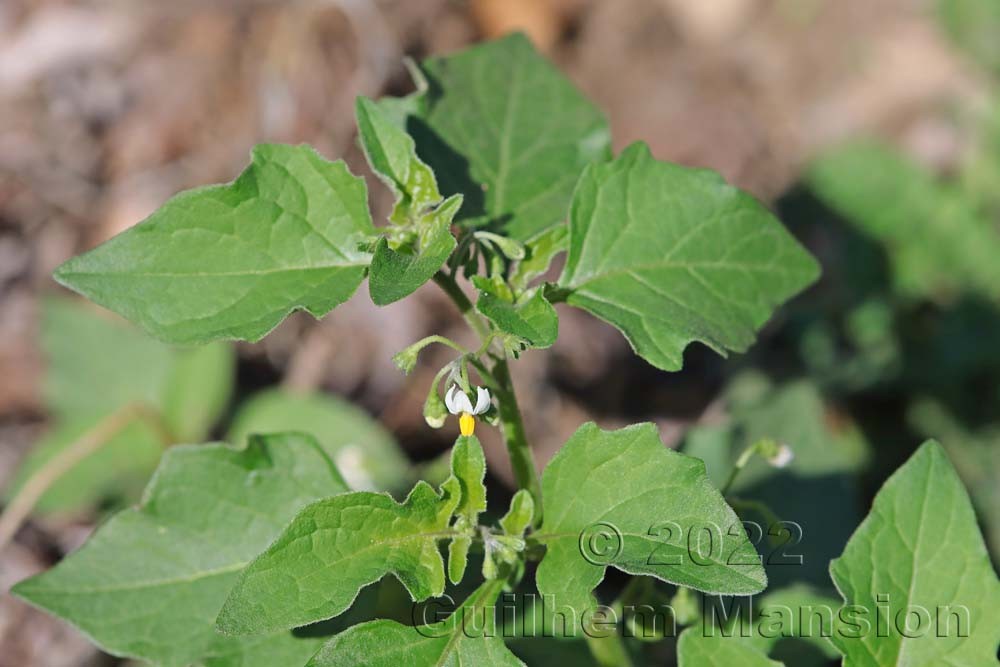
{"x":334,"y":548}
{"x":465,"y":638}
{"x":622,"y":499}
{"x":671,"y":255}
{"x":151,"y":581}
{"x":231,"y":261}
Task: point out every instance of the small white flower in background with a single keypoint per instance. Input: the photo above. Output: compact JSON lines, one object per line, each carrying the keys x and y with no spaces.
{"x":781,"y":457}
{"x":459,"y":404}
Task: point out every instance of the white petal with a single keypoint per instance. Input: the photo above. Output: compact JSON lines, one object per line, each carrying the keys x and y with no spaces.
{"x":783,"y":457}
{"x":482,"y":400}
{"x":449,"y":400}
{"x":463,"y":403}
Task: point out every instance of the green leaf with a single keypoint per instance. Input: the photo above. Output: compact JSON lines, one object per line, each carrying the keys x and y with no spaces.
{"x":92,"y":360}
{"x":364,"y":451}
{"x":937,"y":242}
{"x":453,"y":642}
{"x":919,"y":548}
{"x":198,"y":390}
{"x":796,"y":638}
{"x":423,"y":240}
{"x":975,"y":455}
{"x":671,"y":255}
{"x":622,"y":499}
{"x":519,"y":515}
{"x":333,"y":549}
{"x":116,"y":472}
{"x":396,"y":273}
{"x":289,"y":648}
{"x":694,"y":649}
{"x":532,"y":318}
{"x":285,"y":649}
{"x":502,"y":126}
{"x":540,"y":250}
{"x":231,"y":261}
{"x":392,"y":155}
{"x":790,"y":626}
{"x":150,"y":582}
{"x":91,"y":373}
{"x":508,"y":247}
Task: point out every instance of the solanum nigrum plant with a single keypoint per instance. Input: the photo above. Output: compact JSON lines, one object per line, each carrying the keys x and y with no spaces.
{"x":498,"y":165}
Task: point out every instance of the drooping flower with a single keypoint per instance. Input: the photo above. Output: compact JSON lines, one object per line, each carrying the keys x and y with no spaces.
{"x":459,"y":404}
{"x":781,"y":457}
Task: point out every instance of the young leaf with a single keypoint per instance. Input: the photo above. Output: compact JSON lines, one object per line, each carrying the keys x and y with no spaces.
{"x":464,"y":638}
{"x":502,"y":126}
{"x":150,"y":582}
{"x":333,"y":549}
{"x":671,"y":255}
{"x":622,"y":499}
{"x":541,"y":250}
{"x":468,"y":466}
{"x":393,"y":157}
{"x":518,"y":516}
{"x":231,"y":261}
{"x":694,"y":649}
{"x":397,"y":273}
{"x":916,"y":566}
{"x":365,"y":453}
{"x":532,"y":318}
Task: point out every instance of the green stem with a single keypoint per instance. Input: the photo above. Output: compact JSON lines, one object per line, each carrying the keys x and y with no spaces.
{"x":443,"y":340}
{"x":741,"y":463}
{"x":451,"y":288}
{"x":522,"y":459}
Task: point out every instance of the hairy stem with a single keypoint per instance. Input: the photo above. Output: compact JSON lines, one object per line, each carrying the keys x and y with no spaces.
{"x":88,"y":443}
{"x":451,"y":288}
{"x":521,"y":458}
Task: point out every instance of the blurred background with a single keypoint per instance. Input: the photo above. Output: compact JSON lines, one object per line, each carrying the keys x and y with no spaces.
{"x":871,"y":128}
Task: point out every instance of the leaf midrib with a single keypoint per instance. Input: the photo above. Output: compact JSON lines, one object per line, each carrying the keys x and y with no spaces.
{"x":214,"y":274}
{"x":137,"y":585}
{"x":903,"y":642}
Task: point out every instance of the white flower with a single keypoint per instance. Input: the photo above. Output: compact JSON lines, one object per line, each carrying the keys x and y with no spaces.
{"x":459,"y":403}
{"x":782,"y":457}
